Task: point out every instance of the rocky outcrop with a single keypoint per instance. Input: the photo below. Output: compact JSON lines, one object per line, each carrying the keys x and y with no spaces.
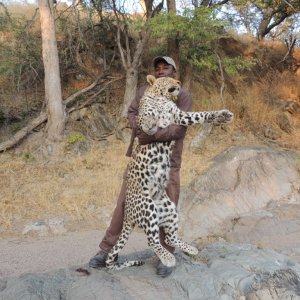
{"x":240,"y":182}
{"x":221,"y":271}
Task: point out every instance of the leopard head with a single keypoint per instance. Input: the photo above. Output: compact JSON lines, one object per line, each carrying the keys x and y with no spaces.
{"x":164,"y":87}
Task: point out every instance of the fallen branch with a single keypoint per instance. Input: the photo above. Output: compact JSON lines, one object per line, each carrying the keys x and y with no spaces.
{"x":23,"y":132}
{"x":43,"y":116}
{"x":89,"y":101}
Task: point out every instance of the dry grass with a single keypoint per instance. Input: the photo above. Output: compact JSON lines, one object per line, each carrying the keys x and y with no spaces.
{"x":83,"y":188}
{"x":76,"y":187}
{"x":80,"y":188}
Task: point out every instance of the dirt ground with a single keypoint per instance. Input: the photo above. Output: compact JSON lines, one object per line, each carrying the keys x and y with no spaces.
{"x":35,"y":255}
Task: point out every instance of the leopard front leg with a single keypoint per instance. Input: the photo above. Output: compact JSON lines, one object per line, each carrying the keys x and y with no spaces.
{"x":220,"y":117}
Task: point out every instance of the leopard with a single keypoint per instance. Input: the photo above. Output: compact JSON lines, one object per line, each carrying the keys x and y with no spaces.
{"x":147,"y":204}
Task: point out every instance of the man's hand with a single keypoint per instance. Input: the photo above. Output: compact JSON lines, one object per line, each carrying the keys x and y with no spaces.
{"x":144,"y":138}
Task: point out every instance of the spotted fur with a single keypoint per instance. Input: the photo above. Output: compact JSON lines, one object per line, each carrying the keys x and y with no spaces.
{"x":147,"y":204}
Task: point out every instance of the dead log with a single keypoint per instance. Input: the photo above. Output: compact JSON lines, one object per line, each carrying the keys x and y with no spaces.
{"x":17,"y":137}
{"x":23,"y":132}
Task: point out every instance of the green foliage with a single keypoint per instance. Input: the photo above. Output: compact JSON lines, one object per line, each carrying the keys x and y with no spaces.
{"x":262,"y":17}
{"x":15,"y":126}
{"x":198,"y":32}
{"x":233,"y":65}
{"x":28,"y":156}
{"x":74,"y":138}
{"x":197,"y":27}
{"x":20,"y":54}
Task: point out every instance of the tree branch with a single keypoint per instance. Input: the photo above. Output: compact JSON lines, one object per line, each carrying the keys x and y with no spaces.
{"x":91,"y":99}
{"x":43,"y":118}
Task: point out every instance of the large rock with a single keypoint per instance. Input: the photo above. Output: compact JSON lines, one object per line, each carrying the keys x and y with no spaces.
{"x":241,"y":181}
{"x":276,"y":227}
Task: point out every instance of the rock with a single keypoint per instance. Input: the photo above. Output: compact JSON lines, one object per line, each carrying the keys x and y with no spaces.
{"x":271,"y":133}
{"x":198,"y":141}
{"x":277,"y":228}
{"x":94,"y":120}
{"x":38,"y":228}
{"x":284,"y":122}
{"x":240,"y":181}
{"x":232,"y":272}
{"x":57,"y":225}
{"x":43,"y":228}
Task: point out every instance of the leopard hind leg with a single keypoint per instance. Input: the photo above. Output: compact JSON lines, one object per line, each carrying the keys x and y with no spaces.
{"x":166,"y":257}
{"x":110,"y":261}
{"x":169,"y":223}
{"x":173,"y":240}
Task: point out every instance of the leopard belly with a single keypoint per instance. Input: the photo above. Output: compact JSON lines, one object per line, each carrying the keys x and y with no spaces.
{"x":148,"y":176}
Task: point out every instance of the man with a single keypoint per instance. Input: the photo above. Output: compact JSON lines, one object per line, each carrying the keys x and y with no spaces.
{"x":164,"y":67}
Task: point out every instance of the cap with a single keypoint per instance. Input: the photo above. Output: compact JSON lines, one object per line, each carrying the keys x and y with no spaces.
{"x":165,"y":59}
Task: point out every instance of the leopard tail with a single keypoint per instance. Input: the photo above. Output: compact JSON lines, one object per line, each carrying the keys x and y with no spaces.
{"x":125,"y":264}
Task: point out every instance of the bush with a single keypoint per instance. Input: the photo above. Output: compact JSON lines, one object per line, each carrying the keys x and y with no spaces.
{"x":20,"y":55}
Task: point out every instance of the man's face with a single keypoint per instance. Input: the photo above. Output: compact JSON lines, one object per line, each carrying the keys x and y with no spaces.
{"x":164,"y":70}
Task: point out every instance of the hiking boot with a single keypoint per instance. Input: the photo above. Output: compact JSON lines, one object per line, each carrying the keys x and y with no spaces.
{"x":98,"y":261}
{"x":163,"y":271}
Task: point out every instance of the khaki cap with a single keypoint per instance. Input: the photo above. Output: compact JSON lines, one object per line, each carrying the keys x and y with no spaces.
{"x":165,"y":59}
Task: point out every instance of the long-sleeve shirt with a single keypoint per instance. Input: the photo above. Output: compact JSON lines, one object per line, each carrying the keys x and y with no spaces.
{"x":172,"y":132}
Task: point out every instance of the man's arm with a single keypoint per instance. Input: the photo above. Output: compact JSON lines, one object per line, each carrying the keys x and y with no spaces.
{"x":134,"y":107}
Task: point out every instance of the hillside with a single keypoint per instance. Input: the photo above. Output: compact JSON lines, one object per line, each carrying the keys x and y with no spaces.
{"x":79,"y":186}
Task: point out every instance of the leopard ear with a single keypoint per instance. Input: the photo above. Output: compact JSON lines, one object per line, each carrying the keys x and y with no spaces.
{"x":151,"y":79}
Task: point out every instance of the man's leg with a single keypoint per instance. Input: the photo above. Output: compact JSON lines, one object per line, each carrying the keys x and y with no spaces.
{"x":113,"y":231}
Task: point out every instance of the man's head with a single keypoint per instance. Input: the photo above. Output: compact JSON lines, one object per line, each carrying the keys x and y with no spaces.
{"x":164,"y":66}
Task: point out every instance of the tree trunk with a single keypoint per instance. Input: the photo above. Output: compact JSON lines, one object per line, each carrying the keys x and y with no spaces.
{"x":262,"y":28}
{"x":173,"y":43}
{"x":131,"y":68}
{"x":130,"y":88}
{"x":55,"y":110}
{"x":171,"y":4}
{"x":188,"y":76}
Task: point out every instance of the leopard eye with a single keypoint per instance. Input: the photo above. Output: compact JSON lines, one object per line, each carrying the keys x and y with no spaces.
{"x":171,"y":90}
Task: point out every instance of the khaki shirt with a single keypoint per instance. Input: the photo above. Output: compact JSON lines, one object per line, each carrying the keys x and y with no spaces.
{"x":172,"y":132}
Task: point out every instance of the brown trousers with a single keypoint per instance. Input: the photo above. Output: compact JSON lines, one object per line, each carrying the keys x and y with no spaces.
{"x":114,"y":230}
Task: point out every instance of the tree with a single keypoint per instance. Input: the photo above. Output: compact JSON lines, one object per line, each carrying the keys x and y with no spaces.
{"x":131,"y":35}
{"x":131,"y":53}
{"x":53,"y":95}
{"x":274,"y":13}
{"x":260,"y":17}
{"x":173,"y":41}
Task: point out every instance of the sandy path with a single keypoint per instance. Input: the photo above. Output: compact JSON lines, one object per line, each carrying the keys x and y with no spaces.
{"x":49,"y":253}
